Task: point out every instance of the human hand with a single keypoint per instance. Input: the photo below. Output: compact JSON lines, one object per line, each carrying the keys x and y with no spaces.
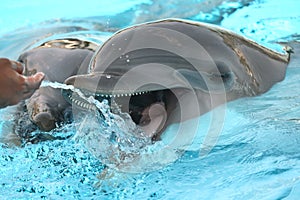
{"x":15,"y":87}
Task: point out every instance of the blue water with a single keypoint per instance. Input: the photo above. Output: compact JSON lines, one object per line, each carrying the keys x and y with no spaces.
{"x":257,"y":155}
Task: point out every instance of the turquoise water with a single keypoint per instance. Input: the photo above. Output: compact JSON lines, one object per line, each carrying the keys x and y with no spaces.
{"x":257,"y":155}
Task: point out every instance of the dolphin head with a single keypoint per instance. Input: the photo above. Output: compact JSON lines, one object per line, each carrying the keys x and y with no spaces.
{"x":58,"y":59}
{"x":149,"y":69}
{"x":154,"y":70}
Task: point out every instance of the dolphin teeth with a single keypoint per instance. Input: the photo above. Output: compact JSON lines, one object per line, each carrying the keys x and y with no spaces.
{"x":107,"y":96}
{"x":118,"y":95}
{"x":122,"y":95}
{"x":82,"y":104}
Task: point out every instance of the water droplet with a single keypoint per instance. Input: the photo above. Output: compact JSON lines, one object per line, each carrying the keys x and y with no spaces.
{"x":108,"y":76}
{"x":120,"y":49}
{"x":128,"y":60}
{"x":127,"y":56}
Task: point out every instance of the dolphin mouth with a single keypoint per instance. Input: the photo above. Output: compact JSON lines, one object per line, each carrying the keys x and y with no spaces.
{"x":147,"y":105}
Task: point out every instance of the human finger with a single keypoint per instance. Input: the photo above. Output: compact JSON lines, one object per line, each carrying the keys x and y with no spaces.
{"x":33,"y":82}
{"x":17,"y":66}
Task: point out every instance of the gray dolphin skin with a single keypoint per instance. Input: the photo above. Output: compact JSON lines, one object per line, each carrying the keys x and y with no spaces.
{"x":154,"y":70}
{"x":58,"y":59}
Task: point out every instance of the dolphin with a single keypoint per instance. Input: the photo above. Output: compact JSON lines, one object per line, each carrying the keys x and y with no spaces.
{"x":172,"y":70}
{"x":58,"y":59}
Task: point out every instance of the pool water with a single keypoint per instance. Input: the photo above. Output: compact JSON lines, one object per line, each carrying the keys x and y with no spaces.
{"x":257,"y":155}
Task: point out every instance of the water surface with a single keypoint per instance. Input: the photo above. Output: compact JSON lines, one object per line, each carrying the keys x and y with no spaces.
{"x":256,"y":157}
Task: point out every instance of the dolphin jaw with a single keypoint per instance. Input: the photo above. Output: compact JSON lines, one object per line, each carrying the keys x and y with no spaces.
{"x":139,"y":105}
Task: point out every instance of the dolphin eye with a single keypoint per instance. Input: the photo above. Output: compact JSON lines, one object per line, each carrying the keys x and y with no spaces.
{"x":217,"y":80}
{"x":227,"y":78}
{"x":226,"y":75}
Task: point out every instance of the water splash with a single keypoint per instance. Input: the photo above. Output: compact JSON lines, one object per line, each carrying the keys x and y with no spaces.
{"x":107,"y":132}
